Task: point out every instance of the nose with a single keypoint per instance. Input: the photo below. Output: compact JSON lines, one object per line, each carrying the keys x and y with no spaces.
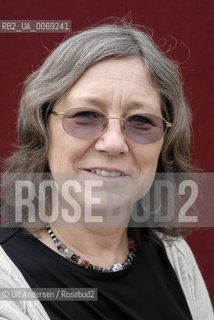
{"x":113,"y":140}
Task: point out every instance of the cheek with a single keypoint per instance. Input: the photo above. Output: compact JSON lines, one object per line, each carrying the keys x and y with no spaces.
{"x":59,"y":146}
{"x":147,"y":157}
{"x":65,"y":152}
{"x":58,"y":158}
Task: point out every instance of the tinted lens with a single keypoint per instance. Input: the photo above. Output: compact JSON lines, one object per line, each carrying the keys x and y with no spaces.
{"x":144,"y":128}
{"x":83,"y":122}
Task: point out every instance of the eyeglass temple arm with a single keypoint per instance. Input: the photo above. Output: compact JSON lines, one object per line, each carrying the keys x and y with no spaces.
{"x":58,"y":114}
{"x":168,"y":124}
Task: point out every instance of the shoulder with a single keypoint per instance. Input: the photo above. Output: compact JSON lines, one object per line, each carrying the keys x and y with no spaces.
{"x":11,"y":278}
{"x":190,"y":278}
{"x":179,"y":253}
{"x":6,"y":264}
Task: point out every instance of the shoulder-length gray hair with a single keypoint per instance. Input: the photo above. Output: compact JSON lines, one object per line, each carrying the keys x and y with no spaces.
{"x":65,"y":65}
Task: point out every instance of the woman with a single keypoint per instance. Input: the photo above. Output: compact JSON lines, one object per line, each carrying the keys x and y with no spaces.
{"x":105,"y":112}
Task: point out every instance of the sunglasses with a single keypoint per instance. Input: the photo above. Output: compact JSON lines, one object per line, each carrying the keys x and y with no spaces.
{"x":87,"y":123}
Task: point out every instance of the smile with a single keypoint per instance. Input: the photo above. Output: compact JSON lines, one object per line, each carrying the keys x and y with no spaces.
{"x":104,"y":173}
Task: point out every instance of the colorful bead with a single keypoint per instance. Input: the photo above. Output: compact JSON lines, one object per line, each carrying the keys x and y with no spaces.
{"x":74,"y":257}
{"x":61,"y":248}
{"x":80,"y":261}
{"x":69,"y":254}
{"x":87,"y":265}
{"x":116,"y":267}
{"x":83,"y":263}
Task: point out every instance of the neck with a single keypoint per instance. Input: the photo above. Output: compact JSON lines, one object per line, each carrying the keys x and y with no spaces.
{"x":101,"y":246}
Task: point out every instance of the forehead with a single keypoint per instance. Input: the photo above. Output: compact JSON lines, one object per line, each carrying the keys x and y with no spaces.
{"x":121,"y":81}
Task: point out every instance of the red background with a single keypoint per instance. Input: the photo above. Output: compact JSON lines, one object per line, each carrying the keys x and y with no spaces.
{"x":187,"y":27}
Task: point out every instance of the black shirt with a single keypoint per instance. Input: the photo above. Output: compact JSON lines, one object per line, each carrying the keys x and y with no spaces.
{"x":146,"y":290}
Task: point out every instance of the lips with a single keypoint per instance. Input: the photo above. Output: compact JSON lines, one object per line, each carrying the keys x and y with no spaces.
{"x":107,"y":172}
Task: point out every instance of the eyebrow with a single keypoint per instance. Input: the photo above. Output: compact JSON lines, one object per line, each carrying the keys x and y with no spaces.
{"x":97,"y":102}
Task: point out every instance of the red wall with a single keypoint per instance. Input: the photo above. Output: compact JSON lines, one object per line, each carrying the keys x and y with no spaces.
{"x":186,"y":25}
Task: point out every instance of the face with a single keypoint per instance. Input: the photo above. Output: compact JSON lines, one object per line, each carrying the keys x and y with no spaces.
{"x":119,"y":88}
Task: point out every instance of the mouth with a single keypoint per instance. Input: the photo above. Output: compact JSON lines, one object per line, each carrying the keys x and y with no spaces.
{"x":107,"y":172}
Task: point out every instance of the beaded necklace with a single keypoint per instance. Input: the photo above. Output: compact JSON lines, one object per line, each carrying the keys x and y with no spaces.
{"x":70,"y":255}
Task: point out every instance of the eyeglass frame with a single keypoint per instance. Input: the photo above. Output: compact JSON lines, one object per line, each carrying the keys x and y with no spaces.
{"x":122,"y":120}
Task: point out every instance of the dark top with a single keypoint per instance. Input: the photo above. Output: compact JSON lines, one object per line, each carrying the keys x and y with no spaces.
{"x":146,"y":290}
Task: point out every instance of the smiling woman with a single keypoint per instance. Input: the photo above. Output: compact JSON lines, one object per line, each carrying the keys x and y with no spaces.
{"x":102,"y":117}
{"x":82,"y":144}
